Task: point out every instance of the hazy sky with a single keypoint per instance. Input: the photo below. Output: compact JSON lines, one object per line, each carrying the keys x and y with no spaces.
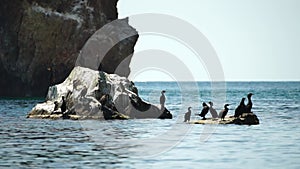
{"x":254,"y":39}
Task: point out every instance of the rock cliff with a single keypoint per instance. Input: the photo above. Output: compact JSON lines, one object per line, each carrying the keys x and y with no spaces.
{"x":41,"y":40}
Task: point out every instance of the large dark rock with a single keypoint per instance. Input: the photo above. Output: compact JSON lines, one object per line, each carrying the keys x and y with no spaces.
{"x":247,"y":119}
{"x":41,"y":40}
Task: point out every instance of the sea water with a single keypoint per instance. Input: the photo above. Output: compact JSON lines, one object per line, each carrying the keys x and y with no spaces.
{"x":274,"y":143}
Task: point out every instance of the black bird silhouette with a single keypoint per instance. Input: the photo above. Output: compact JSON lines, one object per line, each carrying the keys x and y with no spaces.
{"x":241,"y":108}
{"x":63,"y":106}
{"x":187,"y":115}
{"x":204,"y":111}
{"x":224,"y":112}
{"x":249,"y":104}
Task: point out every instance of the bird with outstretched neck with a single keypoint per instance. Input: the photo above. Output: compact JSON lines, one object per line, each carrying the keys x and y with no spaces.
{"x":249,"y":104}
{"x":241,"y":108}
{"x":224,"y":112}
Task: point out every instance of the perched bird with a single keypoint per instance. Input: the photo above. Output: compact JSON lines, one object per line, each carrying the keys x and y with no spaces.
{"x":249,"y":104}
{"x":187,"y":115}
{"x":56,"y":105}
{"x":162,"y":100}
{"x":63,"y":106}
{"x":241,"y":108}
{"x":224,"y":112}
{"x":204,"y":111}
{"x":213,"y":111}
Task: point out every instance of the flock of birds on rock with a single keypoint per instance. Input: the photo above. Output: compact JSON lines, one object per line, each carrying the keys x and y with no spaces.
{"x":242,"y":108}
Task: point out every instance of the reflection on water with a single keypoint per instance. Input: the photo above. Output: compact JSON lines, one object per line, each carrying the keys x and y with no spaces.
{"x":29,"y":143}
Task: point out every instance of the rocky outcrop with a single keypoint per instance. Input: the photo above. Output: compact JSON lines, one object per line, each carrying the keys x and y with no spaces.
{"x":41,"y":40}
{"x":91,"y":94}
{"x":244,"y":119}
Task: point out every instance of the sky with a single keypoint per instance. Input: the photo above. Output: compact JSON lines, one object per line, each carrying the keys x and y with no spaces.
{"x":254,"y":40}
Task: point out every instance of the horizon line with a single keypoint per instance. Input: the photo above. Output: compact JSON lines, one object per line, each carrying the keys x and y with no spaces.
{"x":223,"y":81}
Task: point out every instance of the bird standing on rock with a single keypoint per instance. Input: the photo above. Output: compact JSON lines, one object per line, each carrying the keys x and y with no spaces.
{"x":63,"y":106}
{"x":162,"y":100}
{"x":204,"y":111}
{"x":249,"y":104}
{"x":213,"y":111}
{"x":241,"y":108}
{"x":224,"y":112}
{"x":187,"y":115}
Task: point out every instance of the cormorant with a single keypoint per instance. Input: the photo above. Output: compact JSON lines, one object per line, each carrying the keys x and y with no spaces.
{"x":241,"y":108}
{"x":204,"y":111}
{"x":162,"y":100}
{"x":56,"y":105}
{"x":213,"y":111}
{"x":224,"y":112}
{"x":63,"y":106}
{"x":249,"y":104}
{"x":187,"y":115}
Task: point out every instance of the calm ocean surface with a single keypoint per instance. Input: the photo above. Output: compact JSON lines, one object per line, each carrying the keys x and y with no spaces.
{"x":275,"y":143}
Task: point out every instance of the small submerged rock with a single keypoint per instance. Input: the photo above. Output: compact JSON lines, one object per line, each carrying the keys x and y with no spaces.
{"x":91,"y":94}
{"x":244,"y":119}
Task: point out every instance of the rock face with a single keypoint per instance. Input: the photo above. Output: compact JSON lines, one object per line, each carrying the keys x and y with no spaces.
{"x":244,"y":119}
{"x":41,"y":40}
{"x":91,"y":94}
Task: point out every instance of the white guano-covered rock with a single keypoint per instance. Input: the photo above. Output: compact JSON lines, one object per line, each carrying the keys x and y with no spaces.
{"x":84,"y":88}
